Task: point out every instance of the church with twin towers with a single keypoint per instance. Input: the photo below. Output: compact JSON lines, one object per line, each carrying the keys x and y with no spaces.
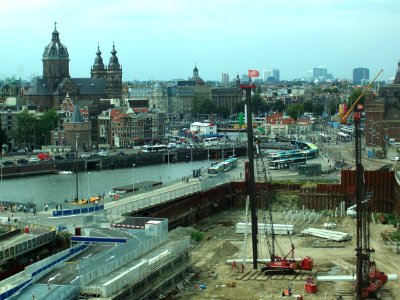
{"x":52,"y":88}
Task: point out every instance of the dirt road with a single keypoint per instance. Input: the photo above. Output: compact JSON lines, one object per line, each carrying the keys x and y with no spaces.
{"x":214,"y":275}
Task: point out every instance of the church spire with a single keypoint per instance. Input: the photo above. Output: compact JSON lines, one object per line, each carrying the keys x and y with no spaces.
{"x":98,"y":61}
{"x":113,"y":63}
{"x":55,"y":36}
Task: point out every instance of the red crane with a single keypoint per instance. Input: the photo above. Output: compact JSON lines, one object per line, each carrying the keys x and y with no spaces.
{"x":284,"y":263}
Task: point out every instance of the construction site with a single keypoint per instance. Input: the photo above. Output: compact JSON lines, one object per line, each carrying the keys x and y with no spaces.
{"x":294,"y":252}
{"x":241,"y":235}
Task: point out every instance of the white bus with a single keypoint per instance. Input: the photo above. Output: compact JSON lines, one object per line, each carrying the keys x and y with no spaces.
{"x":344,"y":137}
{"x":209,"y":142}
{"x":154,"y":148}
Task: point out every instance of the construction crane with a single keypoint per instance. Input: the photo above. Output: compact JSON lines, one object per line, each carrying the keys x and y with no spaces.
{"x":283,"y":263}
{"x":369,"y":279}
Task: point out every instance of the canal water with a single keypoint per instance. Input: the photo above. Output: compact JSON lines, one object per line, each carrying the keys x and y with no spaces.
{"x":54,"y":189}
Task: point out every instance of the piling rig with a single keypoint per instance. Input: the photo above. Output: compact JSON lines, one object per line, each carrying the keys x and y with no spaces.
{"x":369,"y":279}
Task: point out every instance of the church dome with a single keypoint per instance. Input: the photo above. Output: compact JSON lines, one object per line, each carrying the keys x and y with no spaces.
{"x":55,"y":49}
{"x":196,"y":78}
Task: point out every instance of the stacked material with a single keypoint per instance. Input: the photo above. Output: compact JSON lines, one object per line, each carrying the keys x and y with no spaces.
{"x":352,"y":278}
{"x":280,"y":229}
{"x":328,"y":234}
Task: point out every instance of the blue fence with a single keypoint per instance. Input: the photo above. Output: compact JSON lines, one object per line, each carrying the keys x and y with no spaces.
{"x":40,"y":270}
{"x":77,"y":211}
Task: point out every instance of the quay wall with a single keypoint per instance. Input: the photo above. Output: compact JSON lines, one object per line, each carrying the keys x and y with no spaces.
{"x":186,"y":210}
{"x":119,"y":161}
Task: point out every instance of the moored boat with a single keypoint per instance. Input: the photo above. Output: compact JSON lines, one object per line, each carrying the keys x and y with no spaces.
{"x":65,"y":172}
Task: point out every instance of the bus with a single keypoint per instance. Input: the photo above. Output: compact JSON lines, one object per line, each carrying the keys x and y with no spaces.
{"x":209,"y":142}
{"x":230,"y":164}
{"x":154,"y":148}
{"x":344,"y":137}
{"x":347,"y":129}
{"x":216,"y":169}
{"x":279,"y":164}
{"x":283,"y":154}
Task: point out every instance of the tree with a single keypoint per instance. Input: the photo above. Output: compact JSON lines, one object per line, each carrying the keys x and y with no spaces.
{"x":203,"y":106}
{"x":26,"y":124}
{"x":308,"y":106}
{"x":318,"y":109}
{"x":333,"y":108}
{"x":295,"y":110}
{"x":354,"y":96}
{"x":239,"y":107}
{"x":47,"y":122}
{"x":257,"y":104}
{"x":3,"y":139}
{"x":278,"y":106}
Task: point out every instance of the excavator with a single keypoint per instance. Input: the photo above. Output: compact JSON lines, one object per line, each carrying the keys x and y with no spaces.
{"x":369,"y":279}
{"x":284,"y":263}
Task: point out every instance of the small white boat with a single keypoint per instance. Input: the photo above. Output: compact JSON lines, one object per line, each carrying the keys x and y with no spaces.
{"x":65,"y":172}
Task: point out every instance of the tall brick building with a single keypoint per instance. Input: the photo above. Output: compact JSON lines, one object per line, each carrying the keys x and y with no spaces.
{"x":382,"y":114}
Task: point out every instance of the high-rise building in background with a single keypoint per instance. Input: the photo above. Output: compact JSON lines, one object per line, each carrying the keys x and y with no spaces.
{"x":266,"y":74}
{"x":225,"y":79}
{"x":360,"y":75}
{"x":320,"y":72}
{"x":276,"y":74}
{"x":245,"y":78}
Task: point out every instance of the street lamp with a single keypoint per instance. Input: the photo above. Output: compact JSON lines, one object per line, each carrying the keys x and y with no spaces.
{"x":76,"y":142}
{"x":168,"y":157}
{"x":133,"y":178}
{"x":88,"y":191}
{"x":191,"y":157}
{"x":45,"y":139}
{"x":1,"y":186}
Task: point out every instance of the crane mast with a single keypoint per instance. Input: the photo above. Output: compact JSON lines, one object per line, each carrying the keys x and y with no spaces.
{"x":368,"y":279}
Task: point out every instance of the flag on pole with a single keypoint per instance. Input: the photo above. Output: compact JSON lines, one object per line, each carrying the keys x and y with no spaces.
{"x":253,"y":73}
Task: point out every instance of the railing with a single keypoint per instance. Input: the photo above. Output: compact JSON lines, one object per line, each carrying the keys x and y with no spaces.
{"x":13,"y":285}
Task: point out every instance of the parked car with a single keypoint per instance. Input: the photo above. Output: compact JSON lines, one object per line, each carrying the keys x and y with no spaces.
{"x":70,"y":155}
{"x":121,"y":153}
{"x":34,"y":160}
{"x":8,"y":163}
{"x":22,"y":151}
{"x":22,"y":161}
{"x":84,"y":155}
{"x":396,"y":158}
{"x":103,"y":153}
{"x":59,"y":157}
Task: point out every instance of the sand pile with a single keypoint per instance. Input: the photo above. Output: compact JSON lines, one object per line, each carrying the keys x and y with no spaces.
{"x":213,"y":252}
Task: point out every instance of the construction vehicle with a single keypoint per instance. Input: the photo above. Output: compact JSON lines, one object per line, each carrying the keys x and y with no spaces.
{"x":369,"y":279}
{"x":279,"y":264}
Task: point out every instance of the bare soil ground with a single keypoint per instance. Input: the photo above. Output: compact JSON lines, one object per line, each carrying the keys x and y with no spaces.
{"x":213,"y":274}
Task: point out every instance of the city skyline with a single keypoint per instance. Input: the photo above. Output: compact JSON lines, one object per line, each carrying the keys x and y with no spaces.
{"x":159,"y":40}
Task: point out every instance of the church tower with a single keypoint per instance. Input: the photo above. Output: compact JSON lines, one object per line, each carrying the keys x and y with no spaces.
{"x":114,"y":76}
{"x":55,"y":60}
{"x":98,"y":70}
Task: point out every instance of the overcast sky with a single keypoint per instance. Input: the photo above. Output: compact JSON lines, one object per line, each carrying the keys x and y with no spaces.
{"x":163,"y":40}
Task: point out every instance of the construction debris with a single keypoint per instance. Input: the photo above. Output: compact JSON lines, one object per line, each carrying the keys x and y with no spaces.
{"x":231,"y":284}
{"x":327,"y":234}
{"x":281,"y":229}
